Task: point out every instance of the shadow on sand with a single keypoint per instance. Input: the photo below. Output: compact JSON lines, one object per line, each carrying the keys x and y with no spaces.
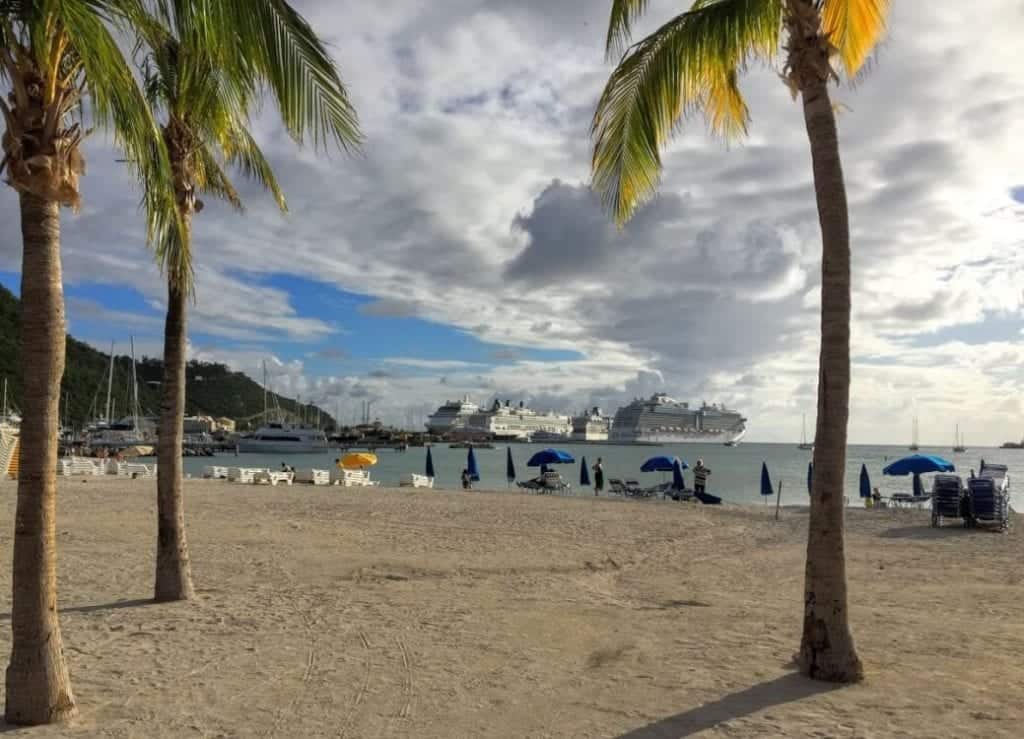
{"x":785,"y":689}
{"x":137,"y":603}
{"x":925,"y":532}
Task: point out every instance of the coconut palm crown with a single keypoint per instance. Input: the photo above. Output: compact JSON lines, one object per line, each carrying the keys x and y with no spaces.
{"x":693,"y":64}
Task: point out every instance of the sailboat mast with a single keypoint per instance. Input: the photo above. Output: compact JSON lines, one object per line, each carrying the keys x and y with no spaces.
{"x":110,"y":382}
{"x":135,"y":387}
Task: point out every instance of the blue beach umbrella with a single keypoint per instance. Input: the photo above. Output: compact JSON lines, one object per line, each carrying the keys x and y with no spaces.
{"x":584,"y":474}
{"x":474,"y":473}
{"x":660,"y":464}
{"x":865,"y":482}
{"x":766,"y":483}
{"x":810,"y":476}
{"x":510,"y":467}
{"x":550,"y":456}
{"x":430,"y":464}
{"x":678,"y":483}
{"x":918,"y":464}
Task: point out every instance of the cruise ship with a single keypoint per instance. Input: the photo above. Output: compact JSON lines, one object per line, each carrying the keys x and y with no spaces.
{"x":451,"y":416}
{"x":281,"y":438}
{"x":663,"y":420}
{"x":591,"y":426}
{"x":506,"y":422}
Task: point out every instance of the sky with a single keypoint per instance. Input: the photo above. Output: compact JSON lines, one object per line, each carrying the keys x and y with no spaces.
{"x":463,"y":253}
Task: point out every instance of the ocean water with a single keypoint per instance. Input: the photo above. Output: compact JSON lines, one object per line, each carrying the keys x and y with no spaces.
{"x":735,"y":471}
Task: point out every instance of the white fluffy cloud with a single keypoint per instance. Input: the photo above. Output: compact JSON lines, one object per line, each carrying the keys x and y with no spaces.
{"x":470,"y":208}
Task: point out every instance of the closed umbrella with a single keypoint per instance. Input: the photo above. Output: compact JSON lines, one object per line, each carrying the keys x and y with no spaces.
{"x":584,"y":474}
{"x":474,"y":473}
{"x":430,"y":464}
{"x":766,"y":483}
{"x":510,"y":467}
{"x":865,"y":482}
{"x":678,"y":483}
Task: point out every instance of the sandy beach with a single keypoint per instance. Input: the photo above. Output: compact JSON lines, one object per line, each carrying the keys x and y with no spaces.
{"x":377,"y":613}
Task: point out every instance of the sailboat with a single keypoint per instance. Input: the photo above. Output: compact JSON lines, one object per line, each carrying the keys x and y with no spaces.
{"x":958,"y":440}
{"x":803,"y":435}
{"x":913,"y":442}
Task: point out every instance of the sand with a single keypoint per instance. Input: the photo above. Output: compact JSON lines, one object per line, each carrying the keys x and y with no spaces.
{"x":372,"y":613}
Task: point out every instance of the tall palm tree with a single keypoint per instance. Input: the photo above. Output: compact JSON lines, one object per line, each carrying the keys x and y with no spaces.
{"x":204,"y":65}
{"x":692,"y":63}
{"x":55,"y":55}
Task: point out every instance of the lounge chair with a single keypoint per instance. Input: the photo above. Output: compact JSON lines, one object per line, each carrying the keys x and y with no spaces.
{"x":949,"y":499}
{"x":635,"y":490}
{"x":412,"y":480}
{"x":615,"y":485}
{"x":903,"y":500}
{"x":989,"y":506}
{"x":998,"y":473}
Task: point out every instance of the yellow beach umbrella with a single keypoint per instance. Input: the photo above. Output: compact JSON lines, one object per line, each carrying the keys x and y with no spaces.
{"x":358,"y":459}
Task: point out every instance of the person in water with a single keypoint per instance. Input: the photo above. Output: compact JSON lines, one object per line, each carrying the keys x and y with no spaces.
{"x":700,"y":477}
{"x":598,"y":477}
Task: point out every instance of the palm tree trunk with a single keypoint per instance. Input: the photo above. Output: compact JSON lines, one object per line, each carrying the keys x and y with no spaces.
{"x":38,"y":685}
{"x":173,"y":571}
{"x":827,"y":650}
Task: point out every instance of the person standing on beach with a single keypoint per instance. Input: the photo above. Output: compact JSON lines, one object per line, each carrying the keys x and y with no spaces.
{"x":467,"y":481}
{"x":700,"y":477}
{"x":598,"y":477}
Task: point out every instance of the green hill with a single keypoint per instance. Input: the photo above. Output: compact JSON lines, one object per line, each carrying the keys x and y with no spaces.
{"x":212,"y":389}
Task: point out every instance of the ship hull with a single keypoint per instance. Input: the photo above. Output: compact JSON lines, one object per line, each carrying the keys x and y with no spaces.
{"x":672,"y":437}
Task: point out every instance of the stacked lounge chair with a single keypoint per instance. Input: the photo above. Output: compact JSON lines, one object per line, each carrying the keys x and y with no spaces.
{"x":949,"y":499}
{"x":989,"y":505}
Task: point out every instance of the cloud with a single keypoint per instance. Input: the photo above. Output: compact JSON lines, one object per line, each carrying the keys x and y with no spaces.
{"x":470,"y":208}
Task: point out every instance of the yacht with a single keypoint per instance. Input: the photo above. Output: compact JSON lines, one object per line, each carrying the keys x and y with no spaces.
{"x":282,"y":438}
{"x":451,"y":416}
{"x":661,"y":419}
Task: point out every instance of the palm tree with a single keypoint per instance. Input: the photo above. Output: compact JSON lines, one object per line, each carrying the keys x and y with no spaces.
{"x":55,"y":54}
{"x":203,"y":69}
{"x":692,"y":63}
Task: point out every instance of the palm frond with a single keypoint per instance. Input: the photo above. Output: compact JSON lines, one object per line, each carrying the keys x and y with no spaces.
{"x":620,"y":25}
{"x":213,"y":180}
{"x":241,"y":150}
{"x":118,"y":102}
{"x":690,"y":63}
{"x":279,"y":43}
{"x":854,"y":27}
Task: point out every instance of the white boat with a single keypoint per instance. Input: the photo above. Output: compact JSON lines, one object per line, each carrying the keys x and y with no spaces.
{"x":278,"y":437}
{"x":591,"y":426}
{"x":663,"y":420}
{"x":451,"y":416}
{"x":505,"y":422}
{"x":281,"y":438}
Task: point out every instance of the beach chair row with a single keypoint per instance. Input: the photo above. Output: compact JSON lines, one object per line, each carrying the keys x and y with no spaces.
{"x":308,"y":476}
{"x":75,"y":466}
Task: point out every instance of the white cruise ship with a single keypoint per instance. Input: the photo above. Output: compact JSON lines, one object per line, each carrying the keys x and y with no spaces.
{"x":663,"y":420}
{"x":519,"y":423}
{"x":451,"y":416}
{"x":281,"y":438}
{"x":591,"y":426}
